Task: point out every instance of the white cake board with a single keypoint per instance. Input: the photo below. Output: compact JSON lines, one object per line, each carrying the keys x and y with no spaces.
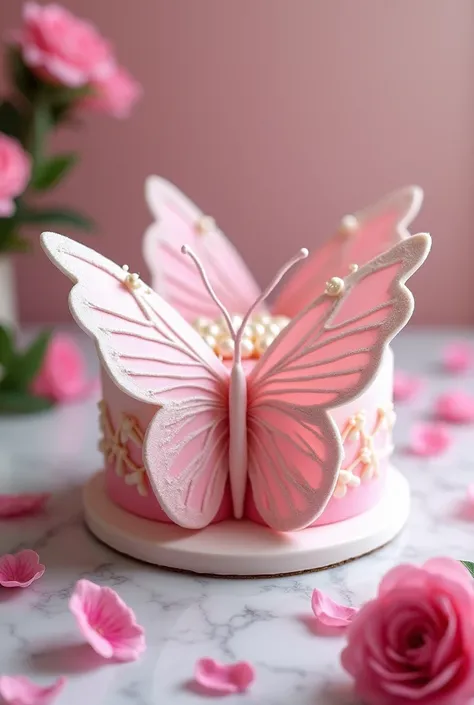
{"x":242,"y":548}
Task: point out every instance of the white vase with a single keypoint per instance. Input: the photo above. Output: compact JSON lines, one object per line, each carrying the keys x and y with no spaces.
{"x":8,"y":304}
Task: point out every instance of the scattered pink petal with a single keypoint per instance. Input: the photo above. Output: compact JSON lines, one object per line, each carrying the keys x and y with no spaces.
{"x":107,"y":623}
{"x":430,"y":439}
{"x":330,"y":614}
{"x":223,"y":678}
{"x":458,"y":357}
{"x":21,"y":569}
{"x":15,"y":505}
{"x":19,"y":690}
{"x":456,"y":407}
{"x":405,"y":387}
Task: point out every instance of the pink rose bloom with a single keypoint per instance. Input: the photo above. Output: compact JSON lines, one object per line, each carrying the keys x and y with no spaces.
{"x":15,"y":171}
{"x":115,"y":95}
{"x":413,"y":643}
{"x":62,"y":377}
{"x":63,"y":48}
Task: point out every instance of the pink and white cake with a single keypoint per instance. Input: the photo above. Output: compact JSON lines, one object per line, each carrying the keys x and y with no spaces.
{"x":241,"y":438}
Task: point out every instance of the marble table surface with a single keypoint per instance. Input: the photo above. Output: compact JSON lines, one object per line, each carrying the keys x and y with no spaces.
{"x":267,"y":622}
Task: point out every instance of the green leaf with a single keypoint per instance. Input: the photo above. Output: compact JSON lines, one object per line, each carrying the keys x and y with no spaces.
{"x":12,"y":402}
{"x":7,"y":346}
{"x":49,"y":173}
{"x":11,"y":120}
{"x":55,"y":216}
{"x":25,"y":365}
{"x":469,"y":566}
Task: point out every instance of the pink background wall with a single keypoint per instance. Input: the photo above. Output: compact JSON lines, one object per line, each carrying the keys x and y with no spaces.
{"x":278,"y":117}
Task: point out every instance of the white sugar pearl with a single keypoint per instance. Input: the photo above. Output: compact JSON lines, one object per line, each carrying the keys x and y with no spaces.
{"x":349,"y":224}
{"x":202,"y":323}
{"x":236,"y":321}
{"x":261,"y":318}
{"x":215,"y":330}
{"x":247,"y":348}
{"x":225,"y":348}
{"x":335,"y":286}
{"x":263,"y":343}
{"x":281,"y":321}
{"x":210,"y":340}
{"x":272,"y":328}
{"x":255,"y":329}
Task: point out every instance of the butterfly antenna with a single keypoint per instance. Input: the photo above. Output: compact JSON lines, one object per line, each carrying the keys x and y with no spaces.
{"x":302,"y":254}
{"x":187,"y":251}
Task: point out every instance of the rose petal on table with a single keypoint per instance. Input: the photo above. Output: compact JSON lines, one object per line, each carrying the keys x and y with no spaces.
{"x":107,"y":622}
{"x":19,"y":690}
{"x":458,"y":356}
{"x":331,"y":614}
{"x":15,"y":505}
{"x":224,"y":679}
{"x":429,"y":439}
{"x":405,"y":386}
{"x":20,"y":569}
{"x":455,"y":407}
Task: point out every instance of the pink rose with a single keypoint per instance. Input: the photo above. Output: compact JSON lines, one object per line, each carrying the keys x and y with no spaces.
{"x":63,"y":374}
{"x":414,"y":642}
{"x":62,"y":48}
{"x":114,"y":95}
{"x":15,"y":171}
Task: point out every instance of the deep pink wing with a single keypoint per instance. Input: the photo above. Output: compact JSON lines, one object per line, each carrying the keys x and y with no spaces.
{"x":361,"y":237}
{"x":178,"y":222}
{"x":154,"y":355}
{"x":325,"y":357}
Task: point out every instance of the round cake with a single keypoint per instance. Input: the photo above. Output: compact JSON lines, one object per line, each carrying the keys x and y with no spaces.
{"x":249,"y":443}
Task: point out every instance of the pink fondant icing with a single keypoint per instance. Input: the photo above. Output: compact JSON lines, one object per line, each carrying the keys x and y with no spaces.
{"x":356,"y":501}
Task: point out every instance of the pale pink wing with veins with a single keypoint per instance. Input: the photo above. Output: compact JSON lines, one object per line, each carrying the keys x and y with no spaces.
{"x":324,"y":358}
{"x":152,"y":354}
{"x":361,"y":237}
{"x":180,"y":222}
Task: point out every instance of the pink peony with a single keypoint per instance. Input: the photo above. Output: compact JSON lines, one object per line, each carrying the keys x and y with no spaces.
{"x":62,"y":376}
{"x":106,"y":622}
{"x":15,"y":171}
{"x":114,"y":95}
{"x":413,"y":643}
{"x":62,"y":48}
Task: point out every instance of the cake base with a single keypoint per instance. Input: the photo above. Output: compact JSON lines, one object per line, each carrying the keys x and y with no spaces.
{"x":241,"y":548}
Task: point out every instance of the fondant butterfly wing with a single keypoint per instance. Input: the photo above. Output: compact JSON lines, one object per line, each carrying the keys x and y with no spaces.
{"x":361,"y":237}
{"x":325,"y":357}
{"x":180,"y":222}
{"x":154,"y":355}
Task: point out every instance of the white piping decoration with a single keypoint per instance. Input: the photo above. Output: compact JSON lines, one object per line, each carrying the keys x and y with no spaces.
{"x":113,"y":445}
{"x":366,"y":459}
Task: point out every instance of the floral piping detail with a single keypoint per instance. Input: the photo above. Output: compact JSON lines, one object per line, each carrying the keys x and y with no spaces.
{"x":355,"y":430}
{"x":113,"y":445}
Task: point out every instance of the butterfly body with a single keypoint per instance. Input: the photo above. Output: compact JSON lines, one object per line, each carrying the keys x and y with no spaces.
{"x":238,"y":437}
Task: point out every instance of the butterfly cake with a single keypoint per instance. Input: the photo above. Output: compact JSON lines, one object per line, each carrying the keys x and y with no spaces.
{"x":224,"y":413}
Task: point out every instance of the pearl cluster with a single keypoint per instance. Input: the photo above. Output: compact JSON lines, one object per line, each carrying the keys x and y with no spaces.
{"x":258,"y":335}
